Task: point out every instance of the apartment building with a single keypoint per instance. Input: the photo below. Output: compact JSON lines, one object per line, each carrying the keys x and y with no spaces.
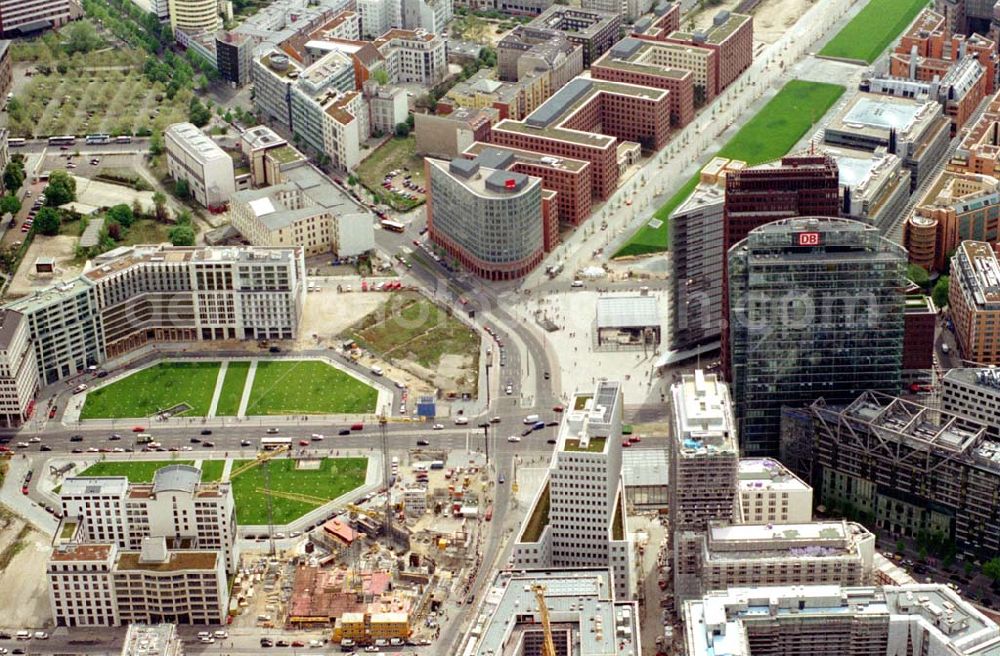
{"x":769,"y":493}
{"x":93,"y":585}
{"x":510,"y":621}
{"x":446,"y":136}
{"x":957,"y":207}
{"x":974,"y":301}
{"x":703,"y":452}
{"x":939,"y":475}
{"x":917,"y":131}
{"x":568,"y":178}
{"x":527,"y":49}
{"x":567,"y":125}
{"x":138,"y":295}
{"x":387,"y":107}
{"x":176,"y":506}
{"x":18,"y":370}
{"x":665,"y":19}
{"x":23,"y":17}
{"x":596,"y":31}
{"x":496,"y":222}
{"x":634,"y":61}
{"x":973,"y":393}
{"x":731,"y":39}
{"x":979,"y":149}
{"x":845,"y":336}
{"x":578,"y":517}
{"x":739,"y":555}
{"x":413,"y":56}
{"x":194,"y":157}
{"x":195,"y":16}
{"x":430,"y":15}
{"x":303,"y":209}
{"x":826,"y":620}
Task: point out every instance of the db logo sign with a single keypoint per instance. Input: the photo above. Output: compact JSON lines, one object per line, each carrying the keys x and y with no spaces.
{"x":808,"y":239}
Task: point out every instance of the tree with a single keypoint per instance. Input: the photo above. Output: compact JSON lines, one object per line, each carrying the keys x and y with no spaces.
{"x":182,"y":189}
{"x":900,"y":546}
{"x":48,"y":221}
{"x":198,"y":113}
{"x":410,"y":121}
{"x":115,"y":230}
{"x":13,"y":176}
{"x":940,"y":293}
{"x":917,"y":274}
{"x":156,"y":144}
{"x":991,"y":568}
{"x":61,"y":189}
{"x":160,"y":205}
{"x":181,"y":235}
{"x":121,"y":214}
{"x":381,"y":76}
{"x":137,"y":210}
{"x":9,"y":204}
{"x":81,"y":36}
{"x":183,"y":218}
{"x":402,"y":130}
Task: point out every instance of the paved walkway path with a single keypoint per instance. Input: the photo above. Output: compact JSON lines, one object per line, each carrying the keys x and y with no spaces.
{"x":245,"y":399}
{"x":218,"y":388}
{"x":226,"y":468}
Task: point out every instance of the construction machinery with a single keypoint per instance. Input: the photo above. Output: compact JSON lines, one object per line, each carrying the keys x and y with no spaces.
{"x":548,"y":647}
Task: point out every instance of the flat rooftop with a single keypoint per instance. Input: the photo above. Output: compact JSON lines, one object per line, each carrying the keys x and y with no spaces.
{"x":587,"y":423}
{"x":579,"y":601}
{"x":767,"y":474}
{"x":94,"y":485}
{"x":636,"y":54}
{"x":151,"y":640}
{"x":704,"y":422}
{"x":70,"y":552}
{"x":982,"y":272}
{"x":628,"y":312}
{"x":176,"y":561}
{"x":530,"y":157}
{"x":645,"y":467}
{"x":873,"y":116}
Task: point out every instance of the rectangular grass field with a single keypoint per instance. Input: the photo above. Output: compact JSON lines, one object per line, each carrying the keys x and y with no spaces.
{"x":232,"y":389}
{"x":211,"y":470}
{"x":769,"y":135}
{"x":153,"y":389}
{"x":300,"y":387}
{"x":874,"y":28}
{"x":137,"y":471}
{"x":334,"y":477}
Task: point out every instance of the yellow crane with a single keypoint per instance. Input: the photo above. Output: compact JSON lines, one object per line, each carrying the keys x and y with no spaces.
{"x":548,"y":647}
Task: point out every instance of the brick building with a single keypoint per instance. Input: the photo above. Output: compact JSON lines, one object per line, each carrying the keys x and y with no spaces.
{"x":731,"y":38}
{"x":595,"y":30}
{"x":974,"y":301}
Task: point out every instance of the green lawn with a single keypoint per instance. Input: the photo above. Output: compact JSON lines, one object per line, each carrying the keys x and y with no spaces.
{"x":874,"y":28}
{"x":211,"y":470}
{"x":334,"y":477}
{"x":232,"y":389}
{"x":156,"y":388}
{"x":307,"y":387}
{"x":137,"y":471}
{"x":775,"y":129}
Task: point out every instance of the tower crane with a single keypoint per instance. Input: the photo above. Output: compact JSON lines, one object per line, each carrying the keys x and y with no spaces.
{"x":548,"y":647}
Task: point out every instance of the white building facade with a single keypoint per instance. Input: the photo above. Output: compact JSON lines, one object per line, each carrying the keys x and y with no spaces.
{"x":18,"y":370}
{"x":194,"y":157}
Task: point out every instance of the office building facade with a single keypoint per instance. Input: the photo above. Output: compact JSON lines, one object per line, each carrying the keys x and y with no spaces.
{"x":18,"y":370}
{"x":909,"y":470}
{"x":815,"y":310}
{"x":23,"y":17}
{"x":492,"y":220}
{"x":973,"y":393}
{"x":593,"y":29}
{"x":578,"y":516}
{"x":141,"y":295}
{"x":974,"y":302}
{"x":771,"y":494}
{"x":195,"y":16}
{"x":194,"y":157}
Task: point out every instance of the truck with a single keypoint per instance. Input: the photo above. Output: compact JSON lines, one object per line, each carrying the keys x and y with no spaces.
{"x":143,"y":438}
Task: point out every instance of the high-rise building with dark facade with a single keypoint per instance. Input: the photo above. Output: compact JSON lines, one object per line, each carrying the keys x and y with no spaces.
{"x":234,"y":56}
{"x":815,"y":310}
{"x":803,"y":185}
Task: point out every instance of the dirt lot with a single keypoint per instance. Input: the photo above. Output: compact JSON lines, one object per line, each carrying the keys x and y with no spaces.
{"x":23,"y":553}
{"x":62,"y":248}
{"x":328,"y":313}
{"x":771,"y":18}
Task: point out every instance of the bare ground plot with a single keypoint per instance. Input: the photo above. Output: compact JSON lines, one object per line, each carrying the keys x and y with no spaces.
{"x":771,"y":18}
{"x":23,"y":554}
{"x":60,"y":247}
{"x":394,"y":155}
{"x":329,"y":313}
{"x":415,"y":335}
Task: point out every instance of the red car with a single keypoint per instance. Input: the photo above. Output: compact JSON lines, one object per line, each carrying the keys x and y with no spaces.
{"x":24,"y":489}
{"x":626,"y":443}
{"x":138,"y":429}
{"x":298,"y":643}
{"x":303,"y":442}
{"x":558,"y":408}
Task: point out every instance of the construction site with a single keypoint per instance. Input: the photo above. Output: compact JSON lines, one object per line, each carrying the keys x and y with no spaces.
{"x":376,"y":572}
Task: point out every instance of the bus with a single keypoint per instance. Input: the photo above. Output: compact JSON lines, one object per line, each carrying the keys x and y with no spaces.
{"x":16,"y":142}
{"x":98,"y":139}
{"x":394,"y":226}
{"x":64,"y":140}
{"x":272,"y":443}
{"x":123,"y":140}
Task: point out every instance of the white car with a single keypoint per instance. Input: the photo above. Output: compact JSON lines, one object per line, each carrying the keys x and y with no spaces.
{"x":186,"y":448}
{"x":118,"y":449}
{"x":437,"y":427}
{"x":509,"y":389}
{"x":22,"y":445}
{"x":222,"y":635}
{"x":315,"y":643}
{"x":272,"y":431}
{"x":92,"y":449}
{"x":208,"y":640}
{"x":514,"y":438}
{"x":461,"y":421}
{"x":35,"y":439}
{"x":577,"y":283}
{"x":317,"y":437}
